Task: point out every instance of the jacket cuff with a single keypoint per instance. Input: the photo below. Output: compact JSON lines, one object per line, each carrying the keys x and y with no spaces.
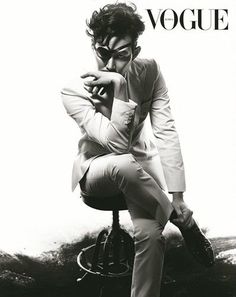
{"x":123,"y":112}
{"x":175,"y":181}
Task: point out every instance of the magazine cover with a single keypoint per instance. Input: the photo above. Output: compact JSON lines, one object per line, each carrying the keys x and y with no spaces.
{"x":118,"y":148}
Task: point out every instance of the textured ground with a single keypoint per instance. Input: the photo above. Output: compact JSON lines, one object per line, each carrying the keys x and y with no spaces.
{"x":54,"y":274}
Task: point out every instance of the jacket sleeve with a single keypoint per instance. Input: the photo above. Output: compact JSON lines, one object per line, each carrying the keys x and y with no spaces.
{"x":113,"y":134}
{"x":165,"y":133}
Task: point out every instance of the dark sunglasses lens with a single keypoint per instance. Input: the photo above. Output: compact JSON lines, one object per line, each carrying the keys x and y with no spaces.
{"x":103,"y":53}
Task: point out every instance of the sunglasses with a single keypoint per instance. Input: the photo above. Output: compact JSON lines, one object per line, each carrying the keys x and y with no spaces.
{"x":120,"y":53}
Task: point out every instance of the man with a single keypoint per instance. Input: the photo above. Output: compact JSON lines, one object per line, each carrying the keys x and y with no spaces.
{"x":116,"y":152}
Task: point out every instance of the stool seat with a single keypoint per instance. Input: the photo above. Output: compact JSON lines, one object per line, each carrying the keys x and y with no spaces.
{"x":112,"y":203}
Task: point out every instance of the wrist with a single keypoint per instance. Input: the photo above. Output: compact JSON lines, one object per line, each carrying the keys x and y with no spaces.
{"x":120,"y":88}
{"x":177,"y":196}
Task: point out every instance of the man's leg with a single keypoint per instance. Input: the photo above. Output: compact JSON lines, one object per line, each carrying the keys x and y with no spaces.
{"x":149,"y":254}
{"x":123,"y":173}
{"x":149,"y":209}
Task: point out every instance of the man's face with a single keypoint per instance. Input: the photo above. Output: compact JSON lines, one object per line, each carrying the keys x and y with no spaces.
{"x":116,"y":56}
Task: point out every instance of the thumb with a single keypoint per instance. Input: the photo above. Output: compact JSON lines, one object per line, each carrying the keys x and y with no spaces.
{"x":178,"y":211}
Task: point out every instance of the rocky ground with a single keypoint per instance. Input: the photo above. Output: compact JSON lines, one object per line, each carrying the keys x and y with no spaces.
{"x":54,"y":273}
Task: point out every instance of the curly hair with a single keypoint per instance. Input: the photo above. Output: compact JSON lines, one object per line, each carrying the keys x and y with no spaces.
{"x":117,"y":19}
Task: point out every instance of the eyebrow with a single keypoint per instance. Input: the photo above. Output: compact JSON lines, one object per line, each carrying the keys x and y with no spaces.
{"x":121,"y":47}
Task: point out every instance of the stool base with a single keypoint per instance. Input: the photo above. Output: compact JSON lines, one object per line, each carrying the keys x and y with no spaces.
{"x":110,"y":258}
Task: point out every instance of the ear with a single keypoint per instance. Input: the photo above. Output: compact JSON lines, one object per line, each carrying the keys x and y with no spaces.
{"x":136,"y":52}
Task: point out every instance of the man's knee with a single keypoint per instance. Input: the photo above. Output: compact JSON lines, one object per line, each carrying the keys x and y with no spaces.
{"x":124,"y":166}
{"x":149,"y":233}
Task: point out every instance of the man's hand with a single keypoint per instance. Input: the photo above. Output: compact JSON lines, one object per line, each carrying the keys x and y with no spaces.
{"x":104,"y":79}
{"x":184,"y":217}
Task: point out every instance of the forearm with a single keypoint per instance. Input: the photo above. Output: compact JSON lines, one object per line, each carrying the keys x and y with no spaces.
{"x":115,"y":133}
{"x":120,"y":89}
{"x":107,"y":117}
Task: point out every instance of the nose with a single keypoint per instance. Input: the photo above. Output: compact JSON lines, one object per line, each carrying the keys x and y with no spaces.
{"x":111,"y":65}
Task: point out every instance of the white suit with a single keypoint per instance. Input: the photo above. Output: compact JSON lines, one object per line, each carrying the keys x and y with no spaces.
{"x":121,"y":144}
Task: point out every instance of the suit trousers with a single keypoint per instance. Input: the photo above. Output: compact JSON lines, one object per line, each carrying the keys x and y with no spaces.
{"x":149,"y":209}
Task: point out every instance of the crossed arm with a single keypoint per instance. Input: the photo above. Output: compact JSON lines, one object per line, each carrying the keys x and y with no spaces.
{"x":113,"y":126}
{"x":106,"y":114}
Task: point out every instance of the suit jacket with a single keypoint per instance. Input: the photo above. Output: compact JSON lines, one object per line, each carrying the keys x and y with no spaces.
{"x":125,"y":131}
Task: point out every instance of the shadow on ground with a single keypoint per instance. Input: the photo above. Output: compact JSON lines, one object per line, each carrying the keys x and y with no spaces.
{"x":54,"y":273}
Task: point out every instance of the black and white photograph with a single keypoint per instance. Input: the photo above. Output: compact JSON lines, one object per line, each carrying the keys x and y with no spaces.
{"x":118,"y":148}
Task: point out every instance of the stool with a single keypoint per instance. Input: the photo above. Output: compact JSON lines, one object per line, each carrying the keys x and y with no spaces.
{"x":112,"y":255}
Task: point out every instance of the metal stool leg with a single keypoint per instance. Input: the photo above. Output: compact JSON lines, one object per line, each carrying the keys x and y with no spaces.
{"x":98,"y":245}
{"x":109,"y":259}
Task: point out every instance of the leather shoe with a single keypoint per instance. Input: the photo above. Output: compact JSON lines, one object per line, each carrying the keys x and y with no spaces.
{"x":198,"y":245}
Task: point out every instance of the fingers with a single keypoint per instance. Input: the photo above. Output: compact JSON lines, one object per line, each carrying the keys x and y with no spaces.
{"x":182,"y":214}
{"x":89,"y":89}
{"x":188,"y":222}
{"x":188,"y":214}
{"x":97,"y":90}
{"x":184,"y":220}
{"x":183,"y":217}
{"x":179,"y":213}
{"x":178,"y":222}
{"x":88,"y":86}
{"x":180,"y":218}
{"x":92,"y":83}
{"x":188,"y":218}
{"x":90,"y":73}
{"x":102,"y":91}
{"x":98,"y":78}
